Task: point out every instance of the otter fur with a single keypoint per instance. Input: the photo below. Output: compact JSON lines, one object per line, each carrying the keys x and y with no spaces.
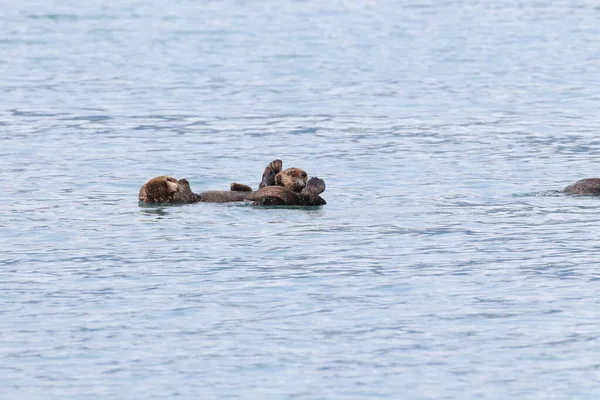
{"x":279,"y":195}
{"x":589,"y":187}
{"x":166,"y":189}
{"x":293,"y":179}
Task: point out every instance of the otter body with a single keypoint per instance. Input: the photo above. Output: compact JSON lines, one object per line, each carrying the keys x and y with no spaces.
{"x":166,"y":189}
{"x":223,"y":196}
{"x":589,"y":187}
{"x":289,"y":187}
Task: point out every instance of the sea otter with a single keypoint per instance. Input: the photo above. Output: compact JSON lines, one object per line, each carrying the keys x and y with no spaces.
{"x":589,"y":187}
{"x":288,"y":187}
{"x":166,"y":189}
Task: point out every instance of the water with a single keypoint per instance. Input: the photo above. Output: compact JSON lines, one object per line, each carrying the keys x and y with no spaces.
{"x":443,"y":265}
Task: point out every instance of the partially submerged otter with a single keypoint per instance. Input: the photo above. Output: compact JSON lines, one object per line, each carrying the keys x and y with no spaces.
{"x":288,"y":187}
{"x":166,"y":189}
{"x":589,"y":187}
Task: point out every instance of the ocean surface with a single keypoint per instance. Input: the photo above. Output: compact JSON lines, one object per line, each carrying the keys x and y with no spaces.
{"x":446,"y":264}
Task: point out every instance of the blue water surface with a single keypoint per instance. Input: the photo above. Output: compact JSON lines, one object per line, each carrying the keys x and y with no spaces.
{"x":443,"y":266}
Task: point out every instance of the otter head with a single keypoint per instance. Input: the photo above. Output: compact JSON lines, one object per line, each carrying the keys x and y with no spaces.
{"x":166,"y":189}
{"x":293,"y":179}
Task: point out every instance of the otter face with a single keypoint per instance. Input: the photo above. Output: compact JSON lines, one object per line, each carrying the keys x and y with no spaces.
{"x":166,"y":189}
{"x":293,"y":179}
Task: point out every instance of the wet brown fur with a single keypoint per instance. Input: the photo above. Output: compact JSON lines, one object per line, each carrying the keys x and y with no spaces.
{"x":279,"y":195}
{"x":239,"y":187}
{"x":223,"y":196}
{"x":268,"y":177}
{"x":589,"y":187}
{"x":166,"y":189}
{"x":293,"y":179}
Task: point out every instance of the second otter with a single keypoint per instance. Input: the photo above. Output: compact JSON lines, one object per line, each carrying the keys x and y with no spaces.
{"x":588,"y":187}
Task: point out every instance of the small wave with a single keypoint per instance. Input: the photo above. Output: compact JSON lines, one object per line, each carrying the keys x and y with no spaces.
{"x":544,"y":193}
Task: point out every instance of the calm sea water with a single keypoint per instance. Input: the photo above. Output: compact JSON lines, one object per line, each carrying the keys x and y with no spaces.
{"x":443,"y":267}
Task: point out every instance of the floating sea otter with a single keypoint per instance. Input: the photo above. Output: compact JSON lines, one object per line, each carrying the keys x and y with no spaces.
{"x":166,"y":189}
{"x":589,"y":187}
{"x":288,"y":187}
